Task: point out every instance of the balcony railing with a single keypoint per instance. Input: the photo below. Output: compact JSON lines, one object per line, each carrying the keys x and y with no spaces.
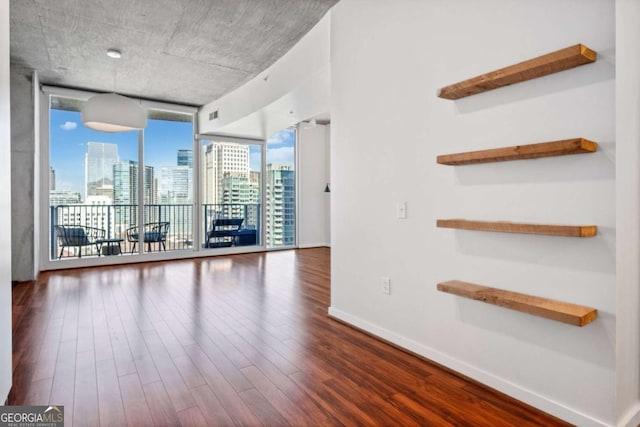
{"x":115,"y":220}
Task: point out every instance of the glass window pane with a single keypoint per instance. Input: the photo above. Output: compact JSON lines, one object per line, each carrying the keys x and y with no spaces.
{"x":92,"y":185}
{"x":231,"y":176}
{"x":168,"y":182}
{"x":281,"y":190}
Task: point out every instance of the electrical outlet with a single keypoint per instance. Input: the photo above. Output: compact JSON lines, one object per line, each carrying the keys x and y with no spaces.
{"x":386,"y":286}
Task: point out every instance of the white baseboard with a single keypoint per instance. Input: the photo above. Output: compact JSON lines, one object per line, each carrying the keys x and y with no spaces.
{"x":503,"y":385}
{"x":312,"y":245}
{"x":631,"y":418}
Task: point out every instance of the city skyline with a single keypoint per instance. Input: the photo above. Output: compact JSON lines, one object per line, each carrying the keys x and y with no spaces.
{"x":94,"y":179}
{"x":69,"y":139}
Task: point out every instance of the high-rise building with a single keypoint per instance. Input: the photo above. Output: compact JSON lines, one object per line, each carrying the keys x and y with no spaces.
{"x":52,"y":179}
{"x":236,"y":194}
{"x":125,"y":192}
{"x":185,"y":158}
{"x":175,"y":185}
{"x":220,"y":159}
{"x":99,"y":161}
{"x":125,"y":183}
{"x":281,"y":206}
{"x":64,"y":197}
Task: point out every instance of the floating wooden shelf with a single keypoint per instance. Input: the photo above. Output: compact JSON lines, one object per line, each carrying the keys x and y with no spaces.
{"x":550,"y":63}
{"x":512,"y":227}
{"x":520,"y":152}
{"x":551,"y":309}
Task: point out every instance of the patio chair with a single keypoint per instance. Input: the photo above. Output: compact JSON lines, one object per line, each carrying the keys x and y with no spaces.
{"x":223,"y":232}
{"x":78,"y":236}
{"x":154,"y":232}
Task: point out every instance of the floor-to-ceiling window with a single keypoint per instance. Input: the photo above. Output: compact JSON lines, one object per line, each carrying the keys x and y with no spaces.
{"x":231,"y":186}
{"x":125,"y":193}
{"x":280,"y":209}
{"x":168,"y":179}
{"x":92,"y":184}
{"x":146,"y":194}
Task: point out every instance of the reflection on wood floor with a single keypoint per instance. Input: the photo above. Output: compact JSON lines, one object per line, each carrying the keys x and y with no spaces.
{"x":235,"y":340}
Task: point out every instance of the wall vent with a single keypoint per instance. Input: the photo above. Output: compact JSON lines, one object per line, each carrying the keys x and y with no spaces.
{"x":213,"y":115}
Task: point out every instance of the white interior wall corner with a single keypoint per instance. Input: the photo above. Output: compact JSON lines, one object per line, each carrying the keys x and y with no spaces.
{"x":313,"y":203}
{"x":6,"y":367}
{"x":628,"y":212}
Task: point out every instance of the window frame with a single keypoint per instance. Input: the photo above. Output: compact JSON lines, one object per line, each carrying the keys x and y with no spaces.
{"x":43,"y":225}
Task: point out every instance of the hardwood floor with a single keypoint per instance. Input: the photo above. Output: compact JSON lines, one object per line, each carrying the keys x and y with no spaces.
{"x":236,"y":340}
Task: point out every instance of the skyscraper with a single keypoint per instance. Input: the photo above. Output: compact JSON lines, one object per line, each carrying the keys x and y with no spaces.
{"x":125,"y":183}
{"x":175,"y":185}
{"x":281,"y":207}
{"x":99,"y":160}
{"x":220,"y":159}
{"x":125,"y":192}
{"x":185,"y":158}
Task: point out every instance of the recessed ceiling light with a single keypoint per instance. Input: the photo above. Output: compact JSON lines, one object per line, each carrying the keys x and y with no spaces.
{"x":114,"y":53}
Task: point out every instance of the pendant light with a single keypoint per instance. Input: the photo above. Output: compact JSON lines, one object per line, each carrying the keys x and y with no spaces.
{"x":110,"y":112}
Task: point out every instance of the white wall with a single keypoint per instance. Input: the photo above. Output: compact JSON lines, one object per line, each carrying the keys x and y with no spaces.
{"x":313,"y":203}
{"x":5,"y":207}
{"x":628,"y":211}
{"x":388,"y":59}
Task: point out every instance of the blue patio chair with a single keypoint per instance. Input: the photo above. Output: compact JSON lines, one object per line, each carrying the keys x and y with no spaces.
{"x":154,"y":232}
{"x":78,"y":236}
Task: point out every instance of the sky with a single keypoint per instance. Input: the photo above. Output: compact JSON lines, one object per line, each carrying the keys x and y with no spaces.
{"x":69,"y":137}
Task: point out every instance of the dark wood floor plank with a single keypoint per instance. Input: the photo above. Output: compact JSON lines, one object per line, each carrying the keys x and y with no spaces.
{"x":109,"y":397}
{"x":174,"y":384}
{"x":210,"y":406}
{"x":135,"y":404}
{"x":62,"y":391}
{"x":190,"y":374}
{"x":224,"y":391}
{"x":159,"y":405}
{"x":146,"y":368}
{"x":46,"y":364}
{"x":419,"y":412}
{"x":40,"y":391}
{"x":342,"y":409}
{"x":276,"y":398}
{"x":85,"y":404}
{"x":239,"y":340}
{"x":192,"y":417}
{"x":262,"y":408}
{"x":512,"y":406}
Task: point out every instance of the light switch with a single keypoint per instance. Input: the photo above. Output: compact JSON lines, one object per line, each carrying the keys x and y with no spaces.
{"x":402,"y":210}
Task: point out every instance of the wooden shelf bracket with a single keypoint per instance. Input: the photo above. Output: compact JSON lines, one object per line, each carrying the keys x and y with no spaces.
{"x":551,"y":309}
{"x":540,"y":66}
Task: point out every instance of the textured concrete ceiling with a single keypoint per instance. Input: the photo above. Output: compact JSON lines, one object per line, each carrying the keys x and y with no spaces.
{"x":186,"y":51}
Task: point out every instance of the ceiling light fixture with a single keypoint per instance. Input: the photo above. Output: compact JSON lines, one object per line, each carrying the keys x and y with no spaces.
{"x":114,"y":53}
{"x":110,"y":112}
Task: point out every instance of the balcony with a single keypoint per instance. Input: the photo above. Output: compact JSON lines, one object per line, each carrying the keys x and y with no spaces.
{"x":115,"y":220}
